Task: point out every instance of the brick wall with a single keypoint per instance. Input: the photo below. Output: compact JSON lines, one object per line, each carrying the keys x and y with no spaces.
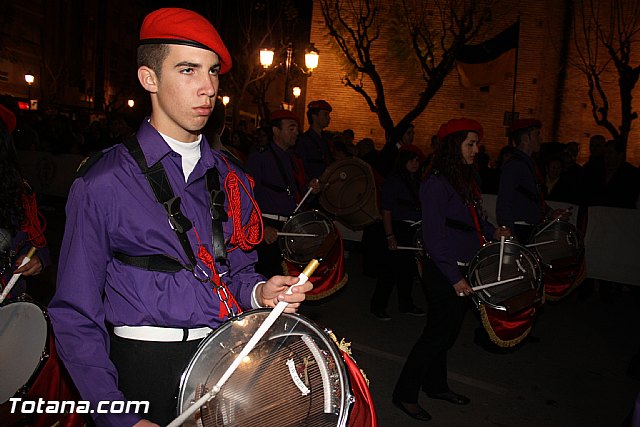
{"x":539,"y":66}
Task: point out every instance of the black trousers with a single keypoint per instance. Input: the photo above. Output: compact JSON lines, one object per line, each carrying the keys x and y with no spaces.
{"x":151,"y":371}
{"x":269,"y":256}
{"x":426,"y":365}
{"x":398,"y":268}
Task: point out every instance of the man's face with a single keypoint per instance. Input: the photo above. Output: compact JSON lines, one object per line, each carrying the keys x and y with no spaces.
{"x":285,"y":135}
{"x":323,"y":118}
{"x":534,"y":140}
{"x":185,"y":95}
{"x":469,"y":148}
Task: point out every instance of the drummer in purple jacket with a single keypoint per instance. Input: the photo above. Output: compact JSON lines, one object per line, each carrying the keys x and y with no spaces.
{"x":453,"y":229}
{"x":140,"y":282}
{"x":520,"y":204}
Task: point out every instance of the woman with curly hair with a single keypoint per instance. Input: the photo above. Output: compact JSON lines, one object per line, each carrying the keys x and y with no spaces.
{"x":453,"y":229}
{"x":20,"y":227}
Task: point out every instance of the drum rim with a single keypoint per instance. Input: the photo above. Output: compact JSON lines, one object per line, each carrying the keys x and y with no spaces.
{"x":370,"y":189}
{"x":474,"y":262}
{"x":347,"y":397}
{"x":282,"y":239}
{"x":23,"y":390}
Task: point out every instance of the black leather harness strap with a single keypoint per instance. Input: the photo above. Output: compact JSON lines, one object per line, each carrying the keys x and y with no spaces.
{"x":161,"y":187}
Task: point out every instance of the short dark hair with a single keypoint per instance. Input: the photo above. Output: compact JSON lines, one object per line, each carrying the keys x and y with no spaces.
{"x":152,"y":56}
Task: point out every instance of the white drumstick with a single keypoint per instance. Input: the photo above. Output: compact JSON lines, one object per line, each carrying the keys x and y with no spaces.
{"x":282,"y":233}
{"x":409,"y":248}
{"x":253,"y":341}
{"x":499,"y":282}
{"x":546,"y":242}
{"x":501,"y":256}
{"x":303,"y":199}
{"x":16,"y":276}
{"x":547,"y":226}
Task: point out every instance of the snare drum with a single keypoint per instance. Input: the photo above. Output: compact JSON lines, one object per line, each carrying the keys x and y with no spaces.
{"x":296,"y":375}
{"x":317,"y":238}
{"x":508,"y":305}
{"x":24,"y":345}
{"x":560,"y":248}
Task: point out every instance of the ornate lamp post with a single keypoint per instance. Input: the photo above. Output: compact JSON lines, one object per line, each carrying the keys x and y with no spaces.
{"x":311,"y":59}
{"x":29,"y":78}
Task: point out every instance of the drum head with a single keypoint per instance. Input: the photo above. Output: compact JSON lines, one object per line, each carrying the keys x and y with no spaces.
{"x":349,"y":185}
{"x":293,"y":377}
{"x":23,"y":340}
{"x":314,"y":229}
{"x":557,"y":245}
{"x":520,"y":273}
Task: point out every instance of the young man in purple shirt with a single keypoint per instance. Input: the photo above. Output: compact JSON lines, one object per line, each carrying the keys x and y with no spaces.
{"x":147,"y":270}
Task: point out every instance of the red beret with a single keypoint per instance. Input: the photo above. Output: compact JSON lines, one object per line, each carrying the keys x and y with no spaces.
{"x":414,"y":149}
{"x":180,"y":26}
{"x":8,"y":118}
{"x":320,"y":105}
{"x":523,"y":124}
{"x":283,"y":114}
{"x":459,"y":125}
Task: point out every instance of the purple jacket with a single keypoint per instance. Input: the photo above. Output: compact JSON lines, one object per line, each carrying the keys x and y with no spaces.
{"x":112,"y":209}
{"x":447,"y":245}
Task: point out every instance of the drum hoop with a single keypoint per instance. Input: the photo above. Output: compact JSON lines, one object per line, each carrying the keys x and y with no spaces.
{"x":46,"y":350}
{"x":347,"y":398}
{"x":282,"y":242}
{"x":539,"y":288}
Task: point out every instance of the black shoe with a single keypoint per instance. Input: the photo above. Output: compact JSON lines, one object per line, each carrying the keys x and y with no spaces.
{"x":451,"y":397}
{"x":381,"y":315}
{"x":414,"y":311}
{"x":421,"y":415}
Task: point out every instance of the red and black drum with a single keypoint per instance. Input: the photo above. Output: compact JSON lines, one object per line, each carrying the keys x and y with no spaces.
{"x":308,"y":235}
{"x":560,"y":248}
{"x":295,"y":376}
{"x":507,"y":281}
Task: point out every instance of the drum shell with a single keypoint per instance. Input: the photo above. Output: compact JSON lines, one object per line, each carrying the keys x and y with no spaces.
{"x":566,"y":247}
{"x":24,"y":345}
{"x":517,"y":261}
{"x":301,"y":250}
{"x":217,"y":351}
{"x":349,"y":193}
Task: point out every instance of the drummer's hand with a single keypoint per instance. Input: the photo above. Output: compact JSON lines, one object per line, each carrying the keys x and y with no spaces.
{"x":392,"y":244}
{"x":462,"y":287}
{"x":563,"y":214}
{"x":270,"y":235}
{"x":273,"y":291}
{"x":145,"y":423}
{"x":315,"y":186}
{"x":502,"y":231}
{"x":33,"y":267}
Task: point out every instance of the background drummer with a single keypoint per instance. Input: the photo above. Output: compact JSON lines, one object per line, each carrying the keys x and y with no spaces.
{"x":453,"y":229}
{"x":520,"y":204}
{"x":280,"y":183}
{"x":115,"y":264}
{"x":312,"y":146}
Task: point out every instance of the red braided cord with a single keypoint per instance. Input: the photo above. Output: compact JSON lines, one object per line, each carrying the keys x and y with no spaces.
{"x":34,"y":223}
{"x":246,"y":236}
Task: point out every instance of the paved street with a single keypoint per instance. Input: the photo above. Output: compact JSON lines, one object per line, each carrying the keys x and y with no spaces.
{"x":574,"y":376}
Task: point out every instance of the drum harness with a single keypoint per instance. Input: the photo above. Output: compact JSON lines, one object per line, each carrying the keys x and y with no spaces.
{"x":159,"y":182}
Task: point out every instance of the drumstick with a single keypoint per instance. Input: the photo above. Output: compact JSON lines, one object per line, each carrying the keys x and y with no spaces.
{"x":501,"y":256}
{"x":546,"y":242}
{"x":409,"y":248}
{"x":499,"y":282}
{"x":548,"y":225}
{"x":282,"y":233}
{"x":253,"y":341}
{"x":303,"y":199}
{"x":16,"y":276}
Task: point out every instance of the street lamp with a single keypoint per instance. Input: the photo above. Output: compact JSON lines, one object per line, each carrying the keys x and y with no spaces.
{"x":225,"y":100}
{"x":311,"y":59}
{"x":131,"y":103}
{"x":29,"y":78}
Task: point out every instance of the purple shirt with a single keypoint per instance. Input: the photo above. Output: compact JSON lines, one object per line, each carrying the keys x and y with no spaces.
{"x":112,"y":209}
{"x":315,"y":153}
{"x":448,"y":245}
{"x":400,"y":197}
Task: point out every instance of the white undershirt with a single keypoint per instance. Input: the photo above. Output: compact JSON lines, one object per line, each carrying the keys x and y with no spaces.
{"x":189,"y":151}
